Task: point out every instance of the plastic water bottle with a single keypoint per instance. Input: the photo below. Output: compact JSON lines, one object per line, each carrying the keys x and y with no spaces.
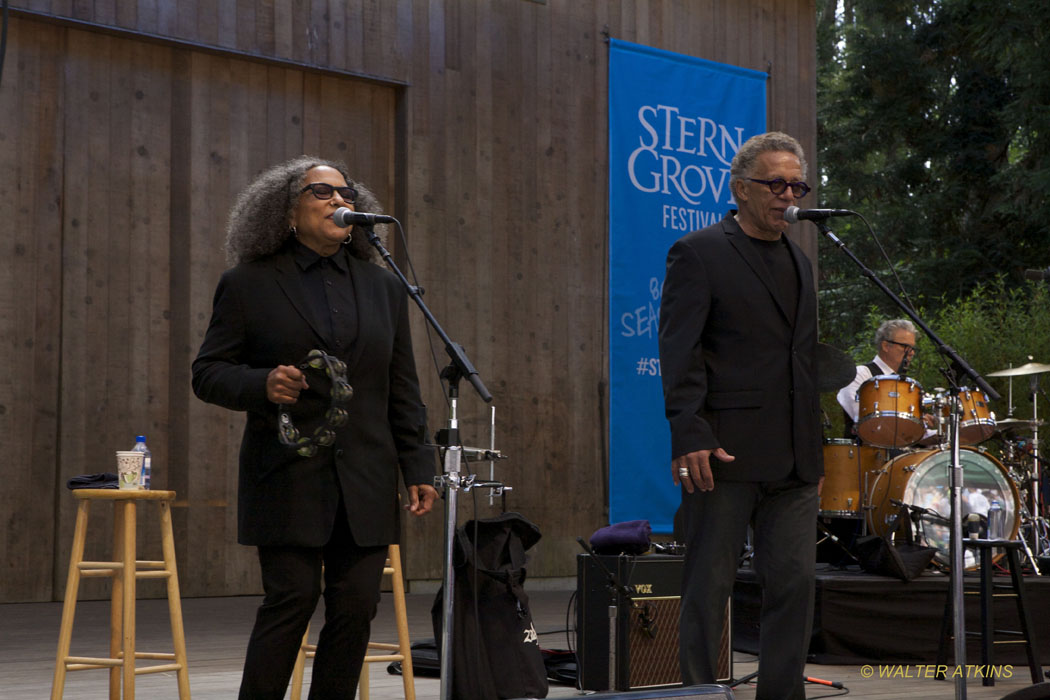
{"x":996,"y":521}
{"x":140,"y":446}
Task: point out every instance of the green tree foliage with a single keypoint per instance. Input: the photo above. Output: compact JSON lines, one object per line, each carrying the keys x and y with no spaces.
{"x":994,"y":327}
{"x":933,"y":122}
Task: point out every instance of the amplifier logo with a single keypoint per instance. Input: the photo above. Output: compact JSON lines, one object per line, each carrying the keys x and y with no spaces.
{"x":643,"y":588}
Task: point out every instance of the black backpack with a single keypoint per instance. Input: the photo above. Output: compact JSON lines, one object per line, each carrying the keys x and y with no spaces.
{"x":495,"y":650}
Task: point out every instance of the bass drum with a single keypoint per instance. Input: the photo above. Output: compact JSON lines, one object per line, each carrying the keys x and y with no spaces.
{"x":922,"y":479}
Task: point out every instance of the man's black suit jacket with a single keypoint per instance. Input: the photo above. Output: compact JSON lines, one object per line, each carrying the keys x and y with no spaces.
{"x":738,"y":373}
{"x":261,"y":319}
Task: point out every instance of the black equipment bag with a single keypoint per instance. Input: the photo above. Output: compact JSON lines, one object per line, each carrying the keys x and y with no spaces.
{"x":495,"y":650}
{"x":885,"y":556}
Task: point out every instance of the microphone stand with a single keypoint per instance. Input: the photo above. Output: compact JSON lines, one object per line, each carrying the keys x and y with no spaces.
{"x":958,"y":364}
{"x":458,"y":368}
{"x":620,"y":594}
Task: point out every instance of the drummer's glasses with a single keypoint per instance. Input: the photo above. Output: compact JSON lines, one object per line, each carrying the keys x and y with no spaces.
{"x":322,"y":190}
{"x":907,"y":348}
{"x":777,"y":186}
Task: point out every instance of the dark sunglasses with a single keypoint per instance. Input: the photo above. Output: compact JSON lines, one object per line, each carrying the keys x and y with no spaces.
{"x":777,"y":186}
{"x":322,"y":190}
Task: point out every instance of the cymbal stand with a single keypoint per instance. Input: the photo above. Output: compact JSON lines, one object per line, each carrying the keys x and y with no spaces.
{"x":1038,"y":521}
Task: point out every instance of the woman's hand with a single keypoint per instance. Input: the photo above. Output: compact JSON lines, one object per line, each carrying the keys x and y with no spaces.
{"x":284,"y":383}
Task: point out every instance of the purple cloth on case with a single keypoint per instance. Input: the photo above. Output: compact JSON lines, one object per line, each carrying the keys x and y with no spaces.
{"x":106,"y":480}
{"x":628,"y":537}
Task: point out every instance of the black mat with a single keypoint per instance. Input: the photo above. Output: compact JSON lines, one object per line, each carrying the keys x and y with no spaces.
{"x":861,"y":619}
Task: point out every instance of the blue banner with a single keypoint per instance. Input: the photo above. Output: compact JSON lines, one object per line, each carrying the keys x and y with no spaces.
{"x":675,"y":123}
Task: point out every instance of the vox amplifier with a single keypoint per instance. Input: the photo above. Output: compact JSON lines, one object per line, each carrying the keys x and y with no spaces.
{"x":644,"y":629}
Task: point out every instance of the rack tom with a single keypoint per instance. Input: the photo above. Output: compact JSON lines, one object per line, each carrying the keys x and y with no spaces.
{"x":890,"y":411}
{"x":977,"y":422}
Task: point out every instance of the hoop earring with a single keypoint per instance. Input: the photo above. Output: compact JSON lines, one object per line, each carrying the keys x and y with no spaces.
{"x":349,"y":238}
{"x":294,"y":232}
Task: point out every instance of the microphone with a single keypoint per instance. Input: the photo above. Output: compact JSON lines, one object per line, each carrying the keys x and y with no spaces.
{"x":931,"y":514}
{"x":793,"y":215}
{"x":343,"y":217}
{"x":1037,"y":275}
{"x":973,"y":525}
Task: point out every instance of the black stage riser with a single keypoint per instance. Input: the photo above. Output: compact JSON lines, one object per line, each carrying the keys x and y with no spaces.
{"x":864,"y":619}
{"x":705,"y":692}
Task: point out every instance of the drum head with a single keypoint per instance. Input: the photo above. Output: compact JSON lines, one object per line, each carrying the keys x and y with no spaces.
{"x":928,"y":486}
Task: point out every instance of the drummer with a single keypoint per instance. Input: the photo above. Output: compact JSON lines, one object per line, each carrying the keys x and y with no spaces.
{"x":895,"y":344}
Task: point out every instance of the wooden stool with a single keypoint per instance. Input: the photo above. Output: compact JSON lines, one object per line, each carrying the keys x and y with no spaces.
{"x":402,"y":648}
{"x":124,"y":573}
{"x":987,"y":592}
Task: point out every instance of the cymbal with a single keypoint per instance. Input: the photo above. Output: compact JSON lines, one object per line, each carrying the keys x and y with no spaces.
{"x":1008,"y":423}
{"x":1030,"y":368}
{"x":835,"y":369}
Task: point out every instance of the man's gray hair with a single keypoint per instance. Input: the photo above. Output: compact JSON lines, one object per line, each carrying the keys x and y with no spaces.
{"x":888,"y":329}
{"x":744,"y":161}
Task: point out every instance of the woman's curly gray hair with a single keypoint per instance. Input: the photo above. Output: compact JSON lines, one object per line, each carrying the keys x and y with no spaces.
{"x":258,"y":223}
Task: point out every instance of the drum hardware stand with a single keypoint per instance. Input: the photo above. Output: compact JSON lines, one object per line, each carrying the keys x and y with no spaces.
{"x":458,"y":368}
{"x":958,"y":365}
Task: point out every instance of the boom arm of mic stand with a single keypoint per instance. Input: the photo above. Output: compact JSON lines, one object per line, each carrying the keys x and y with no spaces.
{"x":942,"y":347}
{"x":454,"y":350}
{"x":955,"y":471}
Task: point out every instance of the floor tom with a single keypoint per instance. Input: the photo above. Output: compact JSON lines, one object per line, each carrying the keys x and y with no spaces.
{"x":849,"y":471}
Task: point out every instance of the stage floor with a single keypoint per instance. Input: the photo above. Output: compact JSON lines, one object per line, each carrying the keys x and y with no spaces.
{"x":864,"y":619}
{"x":217,"y":630}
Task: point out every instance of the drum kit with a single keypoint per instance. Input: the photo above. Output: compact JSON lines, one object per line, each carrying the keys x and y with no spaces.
{"x":902,"y":457}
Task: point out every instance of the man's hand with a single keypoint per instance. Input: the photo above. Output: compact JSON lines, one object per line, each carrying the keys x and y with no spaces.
{"x":693,"y":470}
{"x":421,"y":499}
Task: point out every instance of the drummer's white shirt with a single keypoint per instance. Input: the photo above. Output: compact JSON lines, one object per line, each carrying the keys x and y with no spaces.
{"x":847,"y":396}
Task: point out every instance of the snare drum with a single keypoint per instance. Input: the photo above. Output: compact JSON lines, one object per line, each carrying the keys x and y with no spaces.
{"x":848,"y":472}
{"x":890,"y":411}
{"x":922,"y":479}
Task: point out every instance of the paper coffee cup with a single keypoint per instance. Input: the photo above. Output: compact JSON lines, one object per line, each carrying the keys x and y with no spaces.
{"x":129,"y":469}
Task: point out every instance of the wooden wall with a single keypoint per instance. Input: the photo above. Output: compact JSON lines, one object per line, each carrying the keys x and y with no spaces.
{"x":126,"y":127}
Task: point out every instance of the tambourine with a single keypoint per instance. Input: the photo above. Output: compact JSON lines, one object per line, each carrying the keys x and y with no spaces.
{"x":336,"y":416}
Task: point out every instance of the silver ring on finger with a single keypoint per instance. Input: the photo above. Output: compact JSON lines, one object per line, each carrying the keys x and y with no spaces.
{"x":683,"y":472}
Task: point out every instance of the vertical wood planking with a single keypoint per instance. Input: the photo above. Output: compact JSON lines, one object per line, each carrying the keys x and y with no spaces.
{"x":504,"y":129}
{"x":92,"y":406}
{"x":31,"y":102}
